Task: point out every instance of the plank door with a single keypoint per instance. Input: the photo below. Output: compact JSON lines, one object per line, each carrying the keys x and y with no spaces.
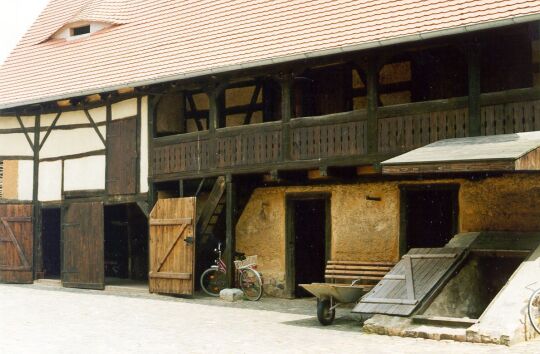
{"x":412,"y":282}
{"x":16,"y":243}
{"x":172,"y":246}
{"x":82,"y":246}
{"x":122,"y":156}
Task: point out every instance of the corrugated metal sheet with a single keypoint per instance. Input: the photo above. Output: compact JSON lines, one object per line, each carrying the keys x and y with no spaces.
{"x":159,"y":40}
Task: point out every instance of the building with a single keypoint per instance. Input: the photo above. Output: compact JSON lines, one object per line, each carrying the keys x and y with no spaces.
{"x":289,"y":121}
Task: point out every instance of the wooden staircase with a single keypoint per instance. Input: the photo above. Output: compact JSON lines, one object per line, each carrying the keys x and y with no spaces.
{"x":213,"y":207}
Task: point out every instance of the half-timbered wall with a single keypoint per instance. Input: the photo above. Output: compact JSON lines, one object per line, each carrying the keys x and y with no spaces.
{"x":71,"y":151}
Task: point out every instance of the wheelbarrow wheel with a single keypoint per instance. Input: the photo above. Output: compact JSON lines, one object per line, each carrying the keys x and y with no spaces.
{"x":325,"y":314}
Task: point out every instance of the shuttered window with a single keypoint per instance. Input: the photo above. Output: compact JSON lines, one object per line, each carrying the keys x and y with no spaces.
{"x":1,"y":179}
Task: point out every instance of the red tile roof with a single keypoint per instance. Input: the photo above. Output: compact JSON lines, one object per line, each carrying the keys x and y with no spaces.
{"x":161,"y":40}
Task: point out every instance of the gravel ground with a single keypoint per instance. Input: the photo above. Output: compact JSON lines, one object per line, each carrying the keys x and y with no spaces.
{"x":38,"y":319}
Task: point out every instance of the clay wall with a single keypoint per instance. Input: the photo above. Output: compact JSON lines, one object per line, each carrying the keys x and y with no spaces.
{"x":368,"y":230}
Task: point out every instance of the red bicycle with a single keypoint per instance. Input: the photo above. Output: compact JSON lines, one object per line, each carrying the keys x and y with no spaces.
{"x":214,"y":279}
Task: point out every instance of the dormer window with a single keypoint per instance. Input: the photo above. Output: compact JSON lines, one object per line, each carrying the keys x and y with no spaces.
{"x":79,"y":31}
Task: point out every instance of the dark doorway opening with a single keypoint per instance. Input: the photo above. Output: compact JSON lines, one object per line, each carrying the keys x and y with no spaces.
{"x":429,"y":215}
{"x":126,"y":244}
{"x":308,"y":241}
{"x":50,"y":242}
{"x":472,"y":287}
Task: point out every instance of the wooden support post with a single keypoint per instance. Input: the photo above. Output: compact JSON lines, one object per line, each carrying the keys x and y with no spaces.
{"x":409,"y":281}
{"x":38,"y":252}
{"x":213,"y":108}
{"x":214,"y":113}
{"x":181,"y":188}
{"x":473,"y":61}
{"x":286,"y":115}
{"x":372,"y":103}
{"x":152,"y":193}
{"x":230,"y":222}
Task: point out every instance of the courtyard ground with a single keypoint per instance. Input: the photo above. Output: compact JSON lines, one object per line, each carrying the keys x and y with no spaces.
{"x":44,"y":319}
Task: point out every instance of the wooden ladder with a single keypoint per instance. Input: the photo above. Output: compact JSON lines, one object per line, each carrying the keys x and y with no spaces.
{"x":212,"y":208}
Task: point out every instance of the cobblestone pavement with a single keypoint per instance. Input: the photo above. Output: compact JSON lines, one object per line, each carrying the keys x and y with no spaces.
{"x":37,"y":319}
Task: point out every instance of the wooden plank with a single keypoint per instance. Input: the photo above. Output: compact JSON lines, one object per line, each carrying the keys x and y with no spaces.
{"x":388,"y":264}
{"x":16,"y":248}
{"x":171,"y":246}
{"x":122,"y":157}
{"x":355,"y":272}
{"x":375,"y":300}
{"x":83,"y":245}
{"x":409,"y":279}
{"x":165,"y":261}
{"x":361,"y":267}
{"x":427,"y":272}
{"x":178,"y":221}
{"x":170,"y":275}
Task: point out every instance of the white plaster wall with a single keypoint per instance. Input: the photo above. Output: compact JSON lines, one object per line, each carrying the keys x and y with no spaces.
{"x":46,"y":120}
{"x":25,"y":180}
{"x":71,"y":142}
{"x":8,"y":122}
{"x":50,"y":181}
{"x":98,"y":114}
{"x":15,"y":145}
{"x":85,"y":173}
{"x":144,"y":146}
{"x":28,"y":121}
{"x":124,"y":109}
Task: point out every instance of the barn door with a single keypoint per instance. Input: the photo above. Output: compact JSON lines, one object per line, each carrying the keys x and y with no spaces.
{"x":122,"y":156}
{"x":82,"y":246}
{"x":16,"y":243}
{"x":172,"y":246}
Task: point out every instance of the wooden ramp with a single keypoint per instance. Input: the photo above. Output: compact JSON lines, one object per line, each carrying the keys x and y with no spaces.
{"x":412,"y":282}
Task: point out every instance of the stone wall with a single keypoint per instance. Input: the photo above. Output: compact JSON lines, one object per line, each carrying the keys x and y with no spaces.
{"x":368,"y":230}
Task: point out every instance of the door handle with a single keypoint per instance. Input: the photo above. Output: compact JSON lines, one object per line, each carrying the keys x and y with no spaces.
{"x":189,"y":240}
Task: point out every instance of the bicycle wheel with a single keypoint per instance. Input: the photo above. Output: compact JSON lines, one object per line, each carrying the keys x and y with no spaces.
{"x":213,"y":281}
{"x":534,"y":310}
{"x":251,"y":284}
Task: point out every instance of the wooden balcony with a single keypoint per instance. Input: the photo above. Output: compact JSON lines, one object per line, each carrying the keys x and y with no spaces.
{"x":340,"y":139}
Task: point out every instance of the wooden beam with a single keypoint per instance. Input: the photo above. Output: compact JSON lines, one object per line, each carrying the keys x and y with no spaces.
{"x":37,"y":251}
{"x":372,"y":78}
{"x":286,"y":115}
{"x":473,"y":63}
{"x":53,"y":125}
{"x":366,"y":170}
{"x":98,"y":132}
{"x":320,"y":173}
{"x":252,"y":103}
{"x":26,"y":135}
{"x":230,"y":222}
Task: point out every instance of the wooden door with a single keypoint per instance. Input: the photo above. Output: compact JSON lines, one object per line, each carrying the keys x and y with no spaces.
{"x":414,"y":281}
{"x":16,"y":243}
{"x":122,"y":156}
{"x":82,"y":246}
{"x":172,"y":246}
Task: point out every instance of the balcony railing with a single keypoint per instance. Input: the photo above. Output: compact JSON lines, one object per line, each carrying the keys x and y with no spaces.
{"x":340,"y":139}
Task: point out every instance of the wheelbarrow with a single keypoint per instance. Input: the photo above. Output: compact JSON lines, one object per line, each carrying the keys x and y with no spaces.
{"x":329,"y":296}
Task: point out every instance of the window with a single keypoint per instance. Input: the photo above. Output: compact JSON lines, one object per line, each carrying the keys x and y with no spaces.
{"x":79,"y":31}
